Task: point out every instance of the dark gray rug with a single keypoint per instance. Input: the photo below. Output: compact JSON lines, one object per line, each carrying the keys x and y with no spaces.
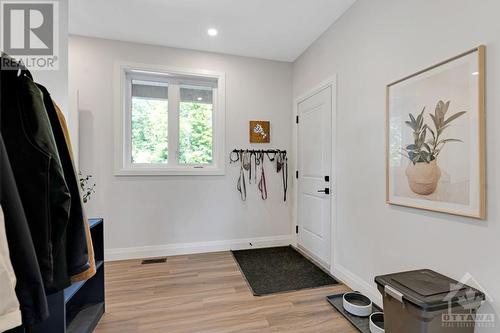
{"x":279,"y":269}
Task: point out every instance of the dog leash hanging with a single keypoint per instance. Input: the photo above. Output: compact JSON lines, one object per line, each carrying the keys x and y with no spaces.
{"x":231,"y":160}
{"x":246,"y":159}
{"x":271,"y":159}
{"x":279,"y":162}
{"x":262,"y":182}
{"x":241,"y":185}
{"x":255,"y":163}
{"x":285,"y":176}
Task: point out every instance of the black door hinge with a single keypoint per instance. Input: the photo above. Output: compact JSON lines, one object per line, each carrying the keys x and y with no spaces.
{"x":296,"y":119}
{"x":297,"y":174}
{"x":296,"y":229}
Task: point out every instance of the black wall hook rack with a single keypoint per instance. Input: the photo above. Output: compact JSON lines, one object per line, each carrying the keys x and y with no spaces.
{"x":270,"y":151}
{"x":244,"y":157}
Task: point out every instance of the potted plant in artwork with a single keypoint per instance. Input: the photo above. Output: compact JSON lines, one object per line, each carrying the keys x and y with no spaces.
{"x":423,"y":172}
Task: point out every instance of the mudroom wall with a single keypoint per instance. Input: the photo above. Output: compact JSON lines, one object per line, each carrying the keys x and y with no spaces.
{"x":373,"y":44}
{"x":57,"y":80}
{"x":162,"y":215}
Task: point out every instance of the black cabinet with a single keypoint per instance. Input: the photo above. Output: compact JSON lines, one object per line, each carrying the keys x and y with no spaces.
{"x":78,"y":308}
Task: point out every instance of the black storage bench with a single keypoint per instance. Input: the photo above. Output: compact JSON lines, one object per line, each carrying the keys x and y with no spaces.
{"x":79,"y":307}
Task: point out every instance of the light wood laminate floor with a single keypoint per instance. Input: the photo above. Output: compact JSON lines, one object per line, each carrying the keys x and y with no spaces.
{"x":207,"y":293}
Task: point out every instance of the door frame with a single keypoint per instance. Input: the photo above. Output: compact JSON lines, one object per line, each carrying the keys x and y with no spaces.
{"x":330,"y":82}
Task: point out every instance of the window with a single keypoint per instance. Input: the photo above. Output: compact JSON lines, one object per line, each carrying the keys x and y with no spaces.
{"x":172,"y":123}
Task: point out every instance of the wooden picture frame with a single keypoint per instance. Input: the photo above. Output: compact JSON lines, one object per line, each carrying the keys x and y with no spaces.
{"x":260,"y":131}
{"x":445,"y":174}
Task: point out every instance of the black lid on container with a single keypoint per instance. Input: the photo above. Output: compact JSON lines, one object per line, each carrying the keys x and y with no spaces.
{"x":430,"y":291}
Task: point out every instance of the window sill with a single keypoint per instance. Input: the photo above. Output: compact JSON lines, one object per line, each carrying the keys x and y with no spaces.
{"x":184,"y":171}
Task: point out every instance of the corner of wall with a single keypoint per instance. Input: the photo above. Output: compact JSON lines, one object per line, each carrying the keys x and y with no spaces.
{"x":357,"y":283}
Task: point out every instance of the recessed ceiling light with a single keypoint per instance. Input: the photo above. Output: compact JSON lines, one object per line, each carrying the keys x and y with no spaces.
{"x":475,"y":73}
{"x":212,"y":32}
{"x":200,"y":99}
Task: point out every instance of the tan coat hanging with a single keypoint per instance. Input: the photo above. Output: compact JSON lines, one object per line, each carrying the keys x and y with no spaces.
{"x":92,"y":269}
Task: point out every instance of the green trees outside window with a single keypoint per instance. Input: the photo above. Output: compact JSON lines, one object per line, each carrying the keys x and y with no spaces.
{"x":149,"y":130}
{"x":195,"y":133}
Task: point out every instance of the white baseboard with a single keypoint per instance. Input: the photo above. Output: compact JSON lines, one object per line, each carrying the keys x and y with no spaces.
{"x":354,"y":282}
{"x":190,"y":248}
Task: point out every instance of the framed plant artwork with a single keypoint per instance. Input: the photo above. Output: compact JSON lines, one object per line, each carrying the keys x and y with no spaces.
{"x":260,"y":131}
{"x":436,"y":137}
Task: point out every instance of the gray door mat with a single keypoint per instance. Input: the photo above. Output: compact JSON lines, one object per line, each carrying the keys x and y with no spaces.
{"x":279,"y":269}
{"x":361,"y":323}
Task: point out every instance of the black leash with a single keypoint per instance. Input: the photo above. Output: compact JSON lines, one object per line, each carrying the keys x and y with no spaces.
{"x":231,"y":160}
{"x":242,"y":186}
{"x":271,"y":159}
{"x":282,"y":166}
{"x":285,"y":177}
{"x":262,"y":183}
{"x":279,"y":162}
{"x":250,"y":174}
{"x":246,"y":160}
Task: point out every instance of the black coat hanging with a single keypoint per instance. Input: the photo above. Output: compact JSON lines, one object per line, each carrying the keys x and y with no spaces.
{"x":29,"y":287}
{"x":37,"y":169}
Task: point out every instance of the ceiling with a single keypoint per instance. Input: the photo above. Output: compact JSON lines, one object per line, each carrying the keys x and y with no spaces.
{"x":269,"y":29}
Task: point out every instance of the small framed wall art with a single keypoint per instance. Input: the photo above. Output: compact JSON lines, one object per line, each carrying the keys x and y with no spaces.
{"x":435,"y":134}
{"x":260,"y":131}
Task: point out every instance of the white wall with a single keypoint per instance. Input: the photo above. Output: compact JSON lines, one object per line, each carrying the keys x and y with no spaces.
{"x":373,"y":44}
{"x":56,"y":81}
{"x":147,"y":216}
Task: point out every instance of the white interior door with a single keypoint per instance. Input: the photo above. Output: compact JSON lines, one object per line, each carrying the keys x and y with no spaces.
{"x":314,"y":175}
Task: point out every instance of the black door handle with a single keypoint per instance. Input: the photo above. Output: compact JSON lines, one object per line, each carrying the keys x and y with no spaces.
{"x":326,"y":191}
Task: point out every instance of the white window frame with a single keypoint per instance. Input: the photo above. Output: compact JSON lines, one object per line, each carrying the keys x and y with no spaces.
{"x":122,"y":121}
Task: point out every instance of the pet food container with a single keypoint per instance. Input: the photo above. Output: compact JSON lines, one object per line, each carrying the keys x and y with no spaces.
{"x":377,"y":322}
{"x":357,"y":304}
{"x":424,"y":301}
